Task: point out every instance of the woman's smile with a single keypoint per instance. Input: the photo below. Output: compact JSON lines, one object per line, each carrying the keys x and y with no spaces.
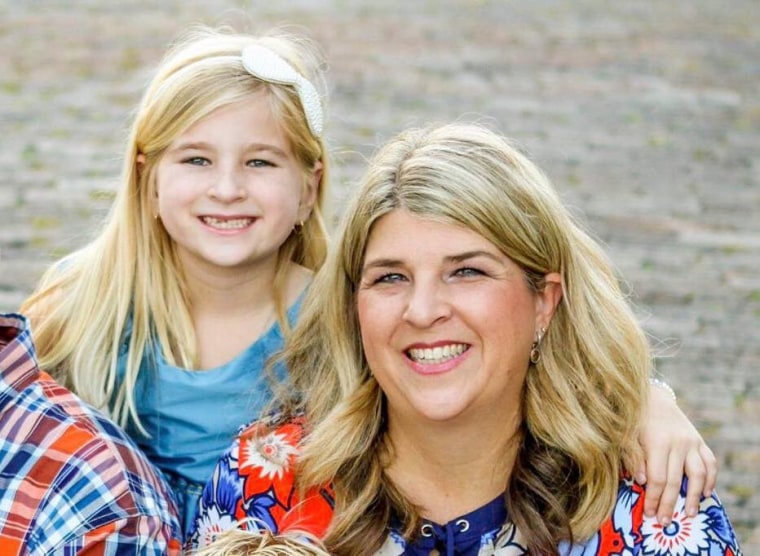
{"x":447,"y":319}
{"x":438,"y":358}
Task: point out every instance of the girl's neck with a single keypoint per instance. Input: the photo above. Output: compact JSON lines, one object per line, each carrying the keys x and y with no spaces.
{"x":232,"y":310}
{"x":229,"y":291}
{"x":449,"y":470}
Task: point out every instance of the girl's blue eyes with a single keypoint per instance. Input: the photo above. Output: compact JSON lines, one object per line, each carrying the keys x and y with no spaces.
{"x":258,"y":163}
{"x":197,"y":161}
{"x":201,"y":161}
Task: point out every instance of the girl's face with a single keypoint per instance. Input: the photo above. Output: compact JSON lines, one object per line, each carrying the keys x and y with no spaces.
{"x":230,"y":190}
{"x":447,"y":321}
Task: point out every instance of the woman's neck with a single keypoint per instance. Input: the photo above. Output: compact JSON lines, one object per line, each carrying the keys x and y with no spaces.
{"x":449,"y":470}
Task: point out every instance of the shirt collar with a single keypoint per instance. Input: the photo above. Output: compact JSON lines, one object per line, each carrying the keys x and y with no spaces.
{"x":463,"y":535}
{"x":18,"y":361}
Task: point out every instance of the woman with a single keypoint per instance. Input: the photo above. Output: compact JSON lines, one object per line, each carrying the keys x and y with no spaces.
{"x":474,"y":378}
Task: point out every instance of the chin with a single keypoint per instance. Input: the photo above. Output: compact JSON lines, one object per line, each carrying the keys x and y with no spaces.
{"x":441,"y":415}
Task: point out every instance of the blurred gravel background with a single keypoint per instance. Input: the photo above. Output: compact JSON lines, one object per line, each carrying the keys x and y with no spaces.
{"x":646,"y":115}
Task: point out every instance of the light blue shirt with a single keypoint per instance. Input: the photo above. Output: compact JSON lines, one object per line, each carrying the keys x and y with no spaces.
{"x":193,"y":416}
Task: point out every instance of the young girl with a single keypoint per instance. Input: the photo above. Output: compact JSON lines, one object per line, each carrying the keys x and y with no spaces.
{"x":167,"y":317}
{"x":201,"y":264}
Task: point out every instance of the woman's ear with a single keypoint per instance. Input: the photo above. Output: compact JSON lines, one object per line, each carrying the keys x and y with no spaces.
{"x":310,"y":191}
{"x":548,"y":298}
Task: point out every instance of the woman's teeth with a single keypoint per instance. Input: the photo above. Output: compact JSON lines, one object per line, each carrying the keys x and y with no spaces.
{"x":439,"y":354}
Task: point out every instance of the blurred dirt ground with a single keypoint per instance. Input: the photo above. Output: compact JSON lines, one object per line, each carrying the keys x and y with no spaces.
{"x":646,"y":115}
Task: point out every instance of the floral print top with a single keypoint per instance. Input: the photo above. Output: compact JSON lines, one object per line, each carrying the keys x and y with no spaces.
{"x":254,"y":480}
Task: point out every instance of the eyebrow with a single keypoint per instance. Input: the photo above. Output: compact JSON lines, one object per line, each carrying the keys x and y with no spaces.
{"x":256,"y":147}
{"x":458,"y":258}
{"x":471,"y":255}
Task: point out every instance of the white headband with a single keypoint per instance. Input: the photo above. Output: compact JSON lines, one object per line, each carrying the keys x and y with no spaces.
{"x":261,"y":62}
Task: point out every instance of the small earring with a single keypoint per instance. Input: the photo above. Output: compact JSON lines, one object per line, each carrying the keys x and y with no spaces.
{"x":298,"y":226}
{"x":535,"y":352}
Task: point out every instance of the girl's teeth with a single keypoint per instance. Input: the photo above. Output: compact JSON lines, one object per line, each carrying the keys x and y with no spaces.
{"x":439,"y":354}
{"x":233,"y":224}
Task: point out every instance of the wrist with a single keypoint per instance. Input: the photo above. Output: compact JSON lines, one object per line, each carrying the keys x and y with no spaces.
{"x":662,"y":385}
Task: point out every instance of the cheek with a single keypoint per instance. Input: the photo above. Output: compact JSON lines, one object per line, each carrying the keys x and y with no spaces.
{"x":171,"y":190}
{"x":510,"y":321}
{"x":372,"y":325}
{"x":364,"y":312}
{"x":284,"y":199}
{"x":169,"y":203}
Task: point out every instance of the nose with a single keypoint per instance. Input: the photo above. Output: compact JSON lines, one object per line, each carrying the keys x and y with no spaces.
{"x":427,"y":304}
{"x":228,"y":186}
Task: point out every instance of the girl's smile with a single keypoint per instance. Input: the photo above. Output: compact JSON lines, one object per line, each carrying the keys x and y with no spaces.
{"x":227,"y":223}
{"x":230,"y":190}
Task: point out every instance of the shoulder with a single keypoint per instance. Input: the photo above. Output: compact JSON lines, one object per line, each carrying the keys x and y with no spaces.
{"x":708,"y":532}
{"x":255,"y":482}
{"x":88,"y":474}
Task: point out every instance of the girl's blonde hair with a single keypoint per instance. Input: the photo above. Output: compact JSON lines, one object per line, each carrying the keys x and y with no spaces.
{"x":581,"y":402}
{"x":130,"y":272}
{"x":239,"y":542}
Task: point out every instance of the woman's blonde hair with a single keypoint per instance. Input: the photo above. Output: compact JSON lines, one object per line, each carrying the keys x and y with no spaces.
{"x":130,"y":272}
{"x":582,"y":401}
{"x":239,"y":542}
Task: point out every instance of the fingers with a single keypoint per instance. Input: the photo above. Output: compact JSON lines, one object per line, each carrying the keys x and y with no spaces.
{"x":711,"y":464}
{"x":664,"y":477}
{"x":663,"y":488}
{"x":696,"y":470}
{"x":701,"y":467}
{"x":638,"y":468}
{"x":655,"y":478}
{"x":673,"y":448}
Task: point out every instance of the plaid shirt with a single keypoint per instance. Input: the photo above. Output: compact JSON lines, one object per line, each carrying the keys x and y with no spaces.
{"x":71,"y":482}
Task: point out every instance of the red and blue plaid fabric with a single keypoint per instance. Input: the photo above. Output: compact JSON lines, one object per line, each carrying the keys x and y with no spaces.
{"x":71,"y":481}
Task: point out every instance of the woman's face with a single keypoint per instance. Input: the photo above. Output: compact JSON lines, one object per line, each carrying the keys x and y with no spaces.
{"x":447,"y":320}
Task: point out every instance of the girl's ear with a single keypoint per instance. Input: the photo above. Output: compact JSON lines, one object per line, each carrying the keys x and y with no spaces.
{"x":140,"y":167}
{"x":310,"y":191}
{"x":548,"y":298}
{"x":140,"y":163}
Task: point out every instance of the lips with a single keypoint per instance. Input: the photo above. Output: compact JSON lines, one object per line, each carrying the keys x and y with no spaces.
{"x":227,"y":223}
{"x":436,"y":355}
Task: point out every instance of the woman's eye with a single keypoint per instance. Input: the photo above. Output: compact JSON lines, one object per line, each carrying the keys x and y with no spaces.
{"x":468,"y":272}
{"x":197,"y":161}
{"x":259,"y":163}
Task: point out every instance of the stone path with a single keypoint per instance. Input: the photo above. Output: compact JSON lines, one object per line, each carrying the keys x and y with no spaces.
{"x":645,"y":114}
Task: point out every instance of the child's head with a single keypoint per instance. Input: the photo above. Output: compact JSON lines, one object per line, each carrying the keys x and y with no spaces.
{"x":203,"y":72}
{"x":133,"y":272}
{"x":237,"y":542}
